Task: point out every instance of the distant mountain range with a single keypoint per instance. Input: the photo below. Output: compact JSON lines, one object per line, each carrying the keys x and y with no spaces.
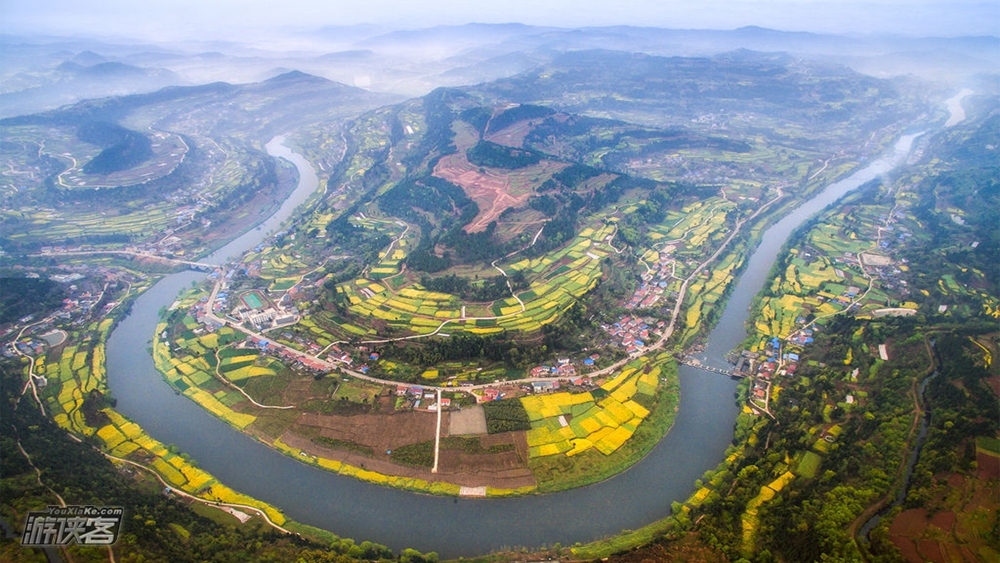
{"x":40,"y":73}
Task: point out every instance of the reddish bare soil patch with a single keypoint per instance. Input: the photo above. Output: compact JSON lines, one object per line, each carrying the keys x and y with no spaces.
{"x":910,"y":523}
{"x":689,"y":548}
{"x":512,"y":136}
{"x":907,"y":531}
{"x":944,"y":519}
{"x":378,"y":462}
{"x":907,"y":549}
{"x":930,"y":550}
{"x":490,"y":191}
{"x":380,"y":432}
{"x":955,"y":533}
{"x":989,"y":466}
{"x":994,"y":382}
{"x":503,"y":469}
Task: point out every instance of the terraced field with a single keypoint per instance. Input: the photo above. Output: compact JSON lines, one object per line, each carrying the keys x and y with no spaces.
{"x":560,"y":278}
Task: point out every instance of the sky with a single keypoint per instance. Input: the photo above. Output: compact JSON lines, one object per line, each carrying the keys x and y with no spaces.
{"x":166,"y":20}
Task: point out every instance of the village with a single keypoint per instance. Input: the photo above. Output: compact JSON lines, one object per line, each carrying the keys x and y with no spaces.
{"x":262,"y":315}
{"x":258,"y":312}
{"x":86,"y":288}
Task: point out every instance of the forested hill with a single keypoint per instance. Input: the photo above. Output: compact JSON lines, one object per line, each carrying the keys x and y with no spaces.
{"x":676,"y":90}
{"x":479,"y":170}
{"x":188,"y":157}
{"x":292,"y":97}
{"x":474,"y":196}
{"x":21,"y":296}
{"x":960,"y":207}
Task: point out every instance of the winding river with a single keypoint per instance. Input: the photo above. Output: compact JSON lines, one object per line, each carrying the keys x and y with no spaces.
{"x":452,"y":527}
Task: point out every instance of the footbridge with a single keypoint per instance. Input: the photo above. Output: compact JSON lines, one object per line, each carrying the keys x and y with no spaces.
{"x":690,"y":362}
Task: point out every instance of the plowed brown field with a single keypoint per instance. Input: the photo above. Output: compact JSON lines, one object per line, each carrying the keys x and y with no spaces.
{"x":505,"y":470}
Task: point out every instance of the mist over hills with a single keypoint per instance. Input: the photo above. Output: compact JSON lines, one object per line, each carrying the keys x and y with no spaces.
{"x":585,"y":166}
{"x":40,"y":73}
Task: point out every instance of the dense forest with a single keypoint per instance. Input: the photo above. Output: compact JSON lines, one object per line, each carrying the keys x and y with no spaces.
{"x":493,"y":155}
{"x":20,"y":296}
{"x":506,"y":415}
{"x":123,"y":148}
{"x":469,"y":347}
{"x":489,"y":289}
{"x":516,"y":114}
{"x":968,"y":180}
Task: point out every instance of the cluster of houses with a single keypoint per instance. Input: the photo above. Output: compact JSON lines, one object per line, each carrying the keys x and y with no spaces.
{"x":654,"y":282}
{"x":582,"y":382}
{"x":802,"y":337}
{"x":416,"y":397}
{"x":646,"y":295}
{"x":337,"y":354}
{"x":773,"y":362}
{"x":632,"y":333}
{"x":533,"y":388}
{"x":264,"y":317}
{"x":563,"y":368}
{"x":29,"y":346}
{"x":258,"y":318}
{"x":77,"y":309}
{"x":59,"y":249}
{"x":291,"y":358}
{"x":887,"y":272}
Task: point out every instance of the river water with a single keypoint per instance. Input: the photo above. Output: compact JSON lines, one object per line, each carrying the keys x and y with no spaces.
{"x":452,"y":527}
{"x":954,"y":105}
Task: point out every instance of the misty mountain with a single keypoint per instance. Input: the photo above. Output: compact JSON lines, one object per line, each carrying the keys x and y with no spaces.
{"x":190,"y":147}
{"x":579,"y":131}
{"x":88,"y":58}
{"x":451,"y":37}
{"x":83,"y":76}
{"x":116,"y":70}
{"x":354,"y":55}
{"x":414,"y":62}
{"x":504,"y":65}
{"x":345,"y":34}
{"x":488,"y":41}
{"x":258,"y":110}
{"x":737,"y":91}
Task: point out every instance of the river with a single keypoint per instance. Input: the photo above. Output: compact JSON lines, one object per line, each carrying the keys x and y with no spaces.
{"x":911,"y":462}
{"x":955,"y":108}
{"x":452,"y":526}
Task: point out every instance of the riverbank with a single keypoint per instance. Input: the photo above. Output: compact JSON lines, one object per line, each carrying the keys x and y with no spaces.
{"x":76,"y":397}
{"x":702,"y":429}
{"x":540,"y":531}
{"x":199,"y":378}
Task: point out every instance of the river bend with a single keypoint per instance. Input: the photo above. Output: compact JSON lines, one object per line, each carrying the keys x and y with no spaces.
{"x":451,"y":526}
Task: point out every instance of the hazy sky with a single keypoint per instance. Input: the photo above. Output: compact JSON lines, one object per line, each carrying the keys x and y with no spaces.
{"x":230,"y":19}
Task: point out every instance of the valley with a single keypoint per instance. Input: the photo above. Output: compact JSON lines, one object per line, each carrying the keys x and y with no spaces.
{"x":505,"y":290}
